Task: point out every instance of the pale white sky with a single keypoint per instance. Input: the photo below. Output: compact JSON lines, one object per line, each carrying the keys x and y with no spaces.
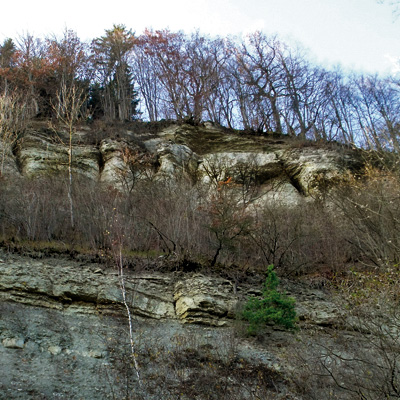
{"x":360,"y":35}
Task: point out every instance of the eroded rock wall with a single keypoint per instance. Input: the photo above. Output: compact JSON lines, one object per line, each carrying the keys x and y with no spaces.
{"x":64,"y":334}
{"x":286,"y":170}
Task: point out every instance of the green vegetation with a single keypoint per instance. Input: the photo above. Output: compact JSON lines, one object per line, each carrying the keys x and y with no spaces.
{"x":273,"y":306}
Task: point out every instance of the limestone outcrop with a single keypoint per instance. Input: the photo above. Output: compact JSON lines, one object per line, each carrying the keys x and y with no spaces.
{"x":41,"y":153}
{"x":65,"y":285}
{"x":92,"y":289}
{"x":64,"y":328}
{"x":283,"y":168}
{"x":64,"y":333}
{"x":204,"y":300}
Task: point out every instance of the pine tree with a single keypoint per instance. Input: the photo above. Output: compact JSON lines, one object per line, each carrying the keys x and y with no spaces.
{"x":273,"y":306}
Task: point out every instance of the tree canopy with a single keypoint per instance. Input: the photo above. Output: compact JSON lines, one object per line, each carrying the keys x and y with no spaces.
{"x":257,"y":83}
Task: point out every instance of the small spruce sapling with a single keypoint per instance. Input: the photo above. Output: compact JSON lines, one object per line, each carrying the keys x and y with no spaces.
{"x":273,"y":306}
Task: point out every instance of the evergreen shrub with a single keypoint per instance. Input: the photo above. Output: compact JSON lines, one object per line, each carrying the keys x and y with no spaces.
{"x":272,"y":306}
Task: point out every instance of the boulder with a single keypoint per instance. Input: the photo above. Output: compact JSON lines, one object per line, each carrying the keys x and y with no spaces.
{"x":14,"y":343}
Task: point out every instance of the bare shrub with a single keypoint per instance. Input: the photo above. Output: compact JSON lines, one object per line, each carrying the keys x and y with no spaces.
{"x":362,"y":361}
{"x":190,"y":223}
{"x":35,"y":209}
{"x":297,"y":240}
{"x":96,"y":206}
{"x":189,"y":366}
{"x":170,"y":210}
{"x":13,"y":119}
{"x":371,"y":212}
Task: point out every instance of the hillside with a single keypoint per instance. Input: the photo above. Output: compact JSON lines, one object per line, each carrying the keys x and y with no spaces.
{"x":171,"y":227}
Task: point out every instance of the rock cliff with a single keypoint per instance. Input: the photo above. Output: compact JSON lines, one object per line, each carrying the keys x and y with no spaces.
{"x":64,"y":325}
{"x":286,"y":168}
{"x":63,"y":333}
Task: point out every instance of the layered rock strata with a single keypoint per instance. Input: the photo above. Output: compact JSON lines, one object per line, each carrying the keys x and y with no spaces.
{"x":281,"y":167}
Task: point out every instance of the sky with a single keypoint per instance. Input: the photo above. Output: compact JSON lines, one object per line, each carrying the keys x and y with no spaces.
{"x":357,"y":35}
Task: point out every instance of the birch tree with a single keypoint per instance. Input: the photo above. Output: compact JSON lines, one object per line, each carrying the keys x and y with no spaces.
{"x":70,"y":100}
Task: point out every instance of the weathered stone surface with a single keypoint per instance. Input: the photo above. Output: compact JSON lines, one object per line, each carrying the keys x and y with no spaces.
{"x":176,"y":159}
{"x":75,"y":356}
{"x":69,"y":328}
{"x":7,"y":160}
{"x":286,"y":171}
{"x":39,"y":154}
{"x":204,"y":300}
{"x":279,"y":192}
{"x":13,"y":343}
{"x":81,"y":289}
{"x":71,"y":288}
{"x":315,"y":307}
{"x":63,"y":328}
{"x":260,"y":166}
{"x":89,"y":289}
{"x":319,"y":312}
{"x":306,"y":167}
{"x":114,"y":167}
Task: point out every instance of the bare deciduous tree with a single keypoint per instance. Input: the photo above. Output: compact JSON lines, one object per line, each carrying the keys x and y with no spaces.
{"x":258,"y":60}
{"x":13,"y":118}
{"x":68,"y":111}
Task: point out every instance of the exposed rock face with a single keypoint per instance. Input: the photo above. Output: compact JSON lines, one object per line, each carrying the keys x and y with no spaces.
{"x":112,"y":160}
{"x":176,"y":159}
{"x":86,"y":289}
{"x":64,"y":326}
{"x":204,"y":300}
{"x":123,"y":162}
{"x":283,"y":171}
{"x":39,"y":154}
{"x":7,"y":161}
{"x":63,"y":332}
{"x":306,"y":167}
{"x":92,"y":289}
